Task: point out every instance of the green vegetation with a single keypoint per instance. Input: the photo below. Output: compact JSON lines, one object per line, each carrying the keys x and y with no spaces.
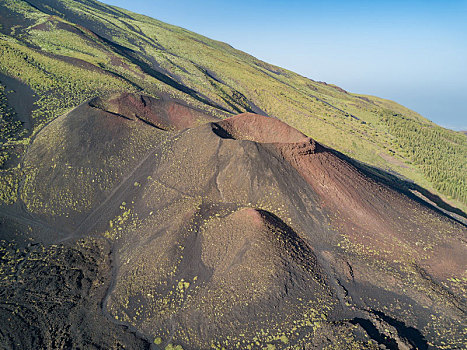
{"x":60,"y":85}
{"x":440,"y":154}
{"x":9,"y":182}
{"x":9,"y":126}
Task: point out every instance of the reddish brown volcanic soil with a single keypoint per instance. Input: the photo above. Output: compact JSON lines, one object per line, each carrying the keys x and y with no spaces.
{"x":235,"y":233}
{"x":258,"y":128}
{"x":162,"y":113}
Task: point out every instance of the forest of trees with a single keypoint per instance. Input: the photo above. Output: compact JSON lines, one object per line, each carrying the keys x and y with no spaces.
{"x":440,"y":154}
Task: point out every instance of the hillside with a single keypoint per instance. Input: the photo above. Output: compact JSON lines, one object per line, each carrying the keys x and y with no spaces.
{"x":161,"y":190}
{"x":62,"y":52}
{"x":223,"y":233}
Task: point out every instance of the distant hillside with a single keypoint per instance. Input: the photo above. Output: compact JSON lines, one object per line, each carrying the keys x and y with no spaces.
{"x":58,"y":53}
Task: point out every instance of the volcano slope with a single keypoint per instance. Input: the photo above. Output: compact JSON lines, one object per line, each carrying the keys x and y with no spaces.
{"x":235,"y":233}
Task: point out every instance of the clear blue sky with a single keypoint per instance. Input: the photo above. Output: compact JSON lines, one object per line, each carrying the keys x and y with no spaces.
{"x":413,"y":52}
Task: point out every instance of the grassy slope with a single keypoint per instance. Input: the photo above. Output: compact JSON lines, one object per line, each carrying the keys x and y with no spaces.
{"x":65,"y":64}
